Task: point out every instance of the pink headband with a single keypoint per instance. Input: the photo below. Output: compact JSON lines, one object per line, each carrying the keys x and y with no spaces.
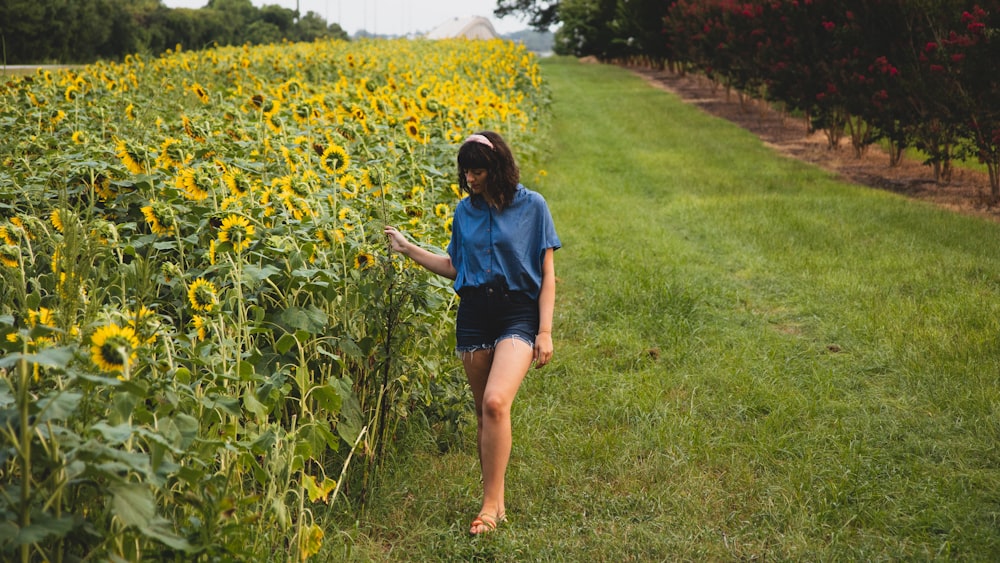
{"x":481,"y":139}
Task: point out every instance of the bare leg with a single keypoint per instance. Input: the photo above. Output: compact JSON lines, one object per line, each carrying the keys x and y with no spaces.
{"x":495,"y":379}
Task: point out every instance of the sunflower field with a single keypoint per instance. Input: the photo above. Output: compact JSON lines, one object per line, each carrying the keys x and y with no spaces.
{"x":204,"y":336}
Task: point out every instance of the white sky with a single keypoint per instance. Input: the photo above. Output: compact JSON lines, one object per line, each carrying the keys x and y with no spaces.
{"x":393,"y":17}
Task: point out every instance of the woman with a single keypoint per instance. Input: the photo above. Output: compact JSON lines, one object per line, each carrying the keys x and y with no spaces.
{"x":500,"y":257}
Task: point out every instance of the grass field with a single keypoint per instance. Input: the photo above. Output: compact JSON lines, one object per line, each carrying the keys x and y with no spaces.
{"x":754,"y":361}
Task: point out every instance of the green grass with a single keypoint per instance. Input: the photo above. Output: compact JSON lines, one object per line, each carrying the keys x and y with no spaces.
{"x":753,"y":361}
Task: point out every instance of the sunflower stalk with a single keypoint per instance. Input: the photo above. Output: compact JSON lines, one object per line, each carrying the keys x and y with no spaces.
{"x":24,"y":449}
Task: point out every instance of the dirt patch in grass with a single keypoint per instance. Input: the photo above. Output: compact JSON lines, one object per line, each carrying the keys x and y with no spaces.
{"x":966,"y":193}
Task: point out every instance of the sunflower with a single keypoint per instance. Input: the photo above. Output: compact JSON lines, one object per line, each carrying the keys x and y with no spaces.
{"x":9,"y":256}
{"x":5,"y":236}
{"x":194,"y":183}
{"x":298,"y":206}
{"x":237,"y":231}
{"x":271,"y":118}
{"x":442,"y":210}
{"x":112,"y":346}
{"x":349,"y":186}
{"x":237,"y":182}
{"x":200,"y":91}
{"x":424,"y":92}
{"x":201,"y":325}
{"x":363,"y":261}
{"x":211,"y":252}
{"x":143,"y":321}
{"x":160,"y":217}
{"x":202,"y":295}
{"x":130,"y":112}
{"x":413,"y":131}
{"x":78,"y":137}
{"x":72,"y":92}
{"x":129,"y":156}
{"x":171,"y":154}
{"x":330,"y":237}
{"x":303,"y":113}
{"x":17,"y":222}
{"x":57,"y":221}
{"x":192,"y":130}
{"x":37,"y":101}
{"x":335,"y":160}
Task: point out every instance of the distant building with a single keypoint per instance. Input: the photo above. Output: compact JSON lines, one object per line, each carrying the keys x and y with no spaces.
{"x":471,"y":27}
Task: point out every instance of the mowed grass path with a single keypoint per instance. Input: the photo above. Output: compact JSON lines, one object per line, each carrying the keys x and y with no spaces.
{"x":753,"y":361}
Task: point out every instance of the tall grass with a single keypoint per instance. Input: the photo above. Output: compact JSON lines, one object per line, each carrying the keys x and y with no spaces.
{"x":753,"y":361}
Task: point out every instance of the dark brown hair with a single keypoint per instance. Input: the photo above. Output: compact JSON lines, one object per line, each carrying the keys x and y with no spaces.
{"x":502,"y":173}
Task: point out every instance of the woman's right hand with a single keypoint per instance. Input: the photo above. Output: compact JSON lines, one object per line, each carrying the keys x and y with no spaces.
{"x":397,"y":240}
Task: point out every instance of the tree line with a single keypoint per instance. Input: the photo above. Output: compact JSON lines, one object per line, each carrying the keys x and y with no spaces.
{"x":910,"y":73}
{"x":84,"y":31}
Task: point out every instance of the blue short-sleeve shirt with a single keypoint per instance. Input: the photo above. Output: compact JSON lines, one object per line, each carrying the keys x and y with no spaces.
{"x":490,"y":246}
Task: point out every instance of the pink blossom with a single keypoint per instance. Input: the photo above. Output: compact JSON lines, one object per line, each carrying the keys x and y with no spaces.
{"x":937,"y":68}
{"x":827,"y":25}
{"x":930,"y":47}
{"x":958,"y":57}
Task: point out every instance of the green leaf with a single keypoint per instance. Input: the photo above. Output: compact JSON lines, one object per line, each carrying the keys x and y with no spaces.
{"x":229,"y":405}
{"x":285,"y":343}
{"x":122,"y":406}
{"x":187,"y":426}
{"x":350,"y":422}
{"x":6,"y":394}
{"x":133,"y":503}
{"x":183,"y":375}
{"x":42,"y":526}
{"x":58,"y":405}
{"x":350,"y":348}
{"x":251,"y":404}
{"x":256,"y":274}
{"x":8,"y":532}
{"x":58,"y":357}
{"x":99,"y":379}
{"x":327,"y":398}
{"x":245,"y":370}
{"x":114,"y":435}
{"x":160,"y":529}
{"x":309,"y":318}
{"x":263,"y":443}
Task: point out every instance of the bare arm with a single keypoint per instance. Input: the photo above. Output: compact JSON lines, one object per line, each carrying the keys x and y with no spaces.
{"x":440,"y":265}
{"x":546,"y":306}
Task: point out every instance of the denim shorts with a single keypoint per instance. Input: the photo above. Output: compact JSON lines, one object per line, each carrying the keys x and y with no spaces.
{"x":489,"y":314}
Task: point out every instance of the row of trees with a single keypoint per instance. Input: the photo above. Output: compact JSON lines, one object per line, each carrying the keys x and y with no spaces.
{"x":917,"y":73}
{"x":82,"y":31}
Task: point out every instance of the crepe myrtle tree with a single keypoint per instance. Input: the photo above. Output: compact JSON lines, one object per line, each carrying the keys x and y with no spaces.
{"x":960,"y":60}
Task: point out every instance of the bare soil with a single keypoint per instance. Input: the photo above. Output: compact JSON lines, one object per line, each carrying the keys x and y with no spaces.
{"x":965,"y":193}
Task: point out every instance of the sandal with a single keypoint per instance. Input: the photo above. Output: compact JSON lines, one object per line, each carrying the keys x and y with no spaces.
{"x":487,"y":520}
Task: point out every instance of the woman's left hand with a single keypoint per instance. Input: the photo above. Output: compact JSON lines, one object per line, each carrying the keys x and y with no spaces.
{"x":543,"y":349}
